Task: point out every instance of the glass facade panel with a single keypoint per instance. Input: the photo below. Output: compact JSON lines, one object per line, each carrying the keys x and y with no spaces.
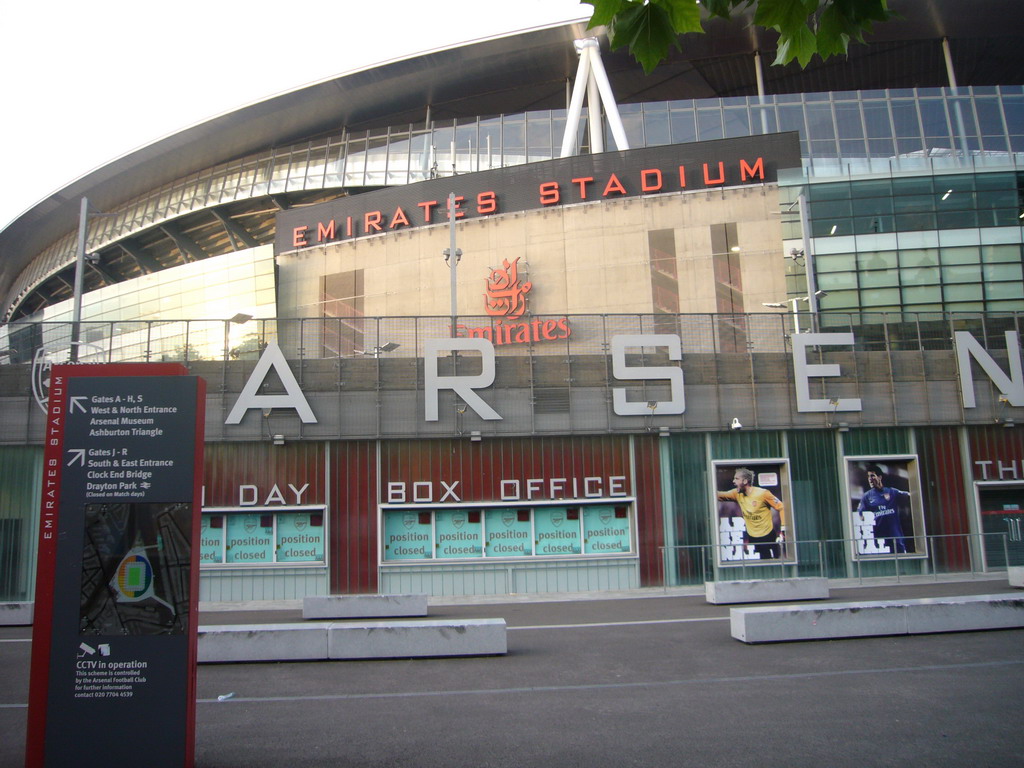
{"x":920,"y":294}
{"x":538,"y":137}
{"x":709,"y":124}
{"x":961,"y":273}
{"x":684,"y":126}
{"x":848,"y":121}
{"x":998,"y":272}
{"x":881,"y":278}
{"x":1000,"y":253}
{"x":959,"y":255}
{"x":834,"y":281}
{"x":656,"y":126}
{"x":880,"y":297}
{"x":737,"y":122}
{"x":1010,"y":290}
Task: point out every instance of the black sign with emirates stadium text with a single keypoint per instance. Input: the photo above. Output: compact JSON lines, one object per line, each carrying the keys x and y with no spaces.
{"x":549,"y":184}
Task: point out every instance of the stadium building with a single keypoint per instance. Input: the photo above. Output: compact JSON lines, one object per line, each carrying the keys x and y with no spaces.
{"x":513,"y":317}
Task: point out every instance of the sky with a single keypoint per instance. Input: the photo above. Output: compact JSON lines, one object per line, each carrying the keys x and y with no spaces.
{"x":85,"y":83}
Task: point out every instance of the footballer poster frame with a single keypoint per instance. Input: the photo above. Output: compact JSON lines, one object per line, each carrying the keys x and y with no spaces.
{"x":902,"y":473}
{"x":731,"y":551}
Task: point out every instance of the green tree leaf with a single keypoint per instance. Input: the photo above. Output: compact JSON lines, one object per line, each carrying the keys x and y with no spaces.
{"x":786,"y":16}
{"x":684,"y":17}
{"x":800,"y":45}
{"x":647,"y":30}
{"x":604,"y":11}
{"x":833,"y":33}
{"x":806,"y":27}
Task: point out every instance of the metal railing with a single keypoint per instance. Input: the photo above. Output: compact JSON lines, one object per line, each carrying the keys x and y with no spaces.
{"x":967,"y":554}
{"x":329,"y":338}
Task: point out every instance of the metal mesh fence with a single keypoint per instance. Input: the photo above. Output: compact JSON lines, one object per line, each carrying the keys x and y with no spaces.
{"x":324,"y":338}
{"x":557,"y":373}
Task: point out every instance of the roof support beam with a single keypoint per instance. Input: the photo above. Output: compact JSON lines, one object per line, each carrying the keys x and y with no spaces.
{"x":235,"y":231}
{"x":146,"y":263}
{"x":96,"y":262}
{"x":188,"y":247}
{"x":592,"y":79}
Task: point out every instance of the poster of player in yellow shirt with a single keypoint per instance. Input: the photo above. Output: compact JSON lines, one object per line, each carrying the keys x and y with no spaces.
{"x":753,"y":521}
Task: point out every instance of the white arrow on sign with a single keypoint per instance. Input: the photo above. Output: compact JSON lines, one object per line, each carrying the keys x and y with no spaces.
{"x":76,"y":401}
{"x":77,"y":454}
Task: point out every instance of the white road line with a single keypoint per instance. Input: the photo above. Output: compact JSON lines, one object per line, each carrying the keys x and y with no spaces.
{"x":597,"y":686}
{"x":609,"y":686}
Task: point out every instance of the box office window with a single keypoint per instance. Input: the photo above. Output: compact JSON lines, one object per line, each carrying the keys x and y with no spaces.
{"x":504,"y":532}
{"x":246,"y":537}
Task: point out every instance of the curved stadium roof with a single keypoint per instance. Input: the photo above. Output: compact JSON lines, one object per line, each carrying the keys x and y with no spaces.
{"x":519,"y":72}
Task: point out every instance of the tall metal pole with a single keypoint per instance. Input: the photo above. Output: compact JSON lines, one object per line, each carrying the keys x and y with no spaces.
{"x":805,"y":228}
{"x":957,"y":111}
{"x":759,"y":75}
{"x":76,"y":316}
{"x":453,"y":259}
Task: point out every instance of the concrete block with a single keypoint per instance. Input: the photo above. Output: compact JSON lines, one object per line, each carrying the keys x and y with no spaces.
{"x":771,"y":624}
{"x":925,"y":615}
{"x":410,"y":639}
{"x":16,"y":614}
{"x":262,"y":642}
{"x":363,"y":606}
{"x":766,"y":590}
{"x":344,"y":640}
{"x":965,"y":614}
{"x":1015,"y":574}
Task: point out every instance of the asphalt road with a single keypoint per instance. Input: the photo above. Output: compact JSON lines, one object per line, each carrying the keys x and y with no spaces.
{"x":644,"y":681}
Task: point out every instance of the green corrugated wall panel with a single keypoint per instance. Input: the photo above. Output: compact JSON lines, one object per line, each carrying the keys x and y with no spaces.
{"x":817,"y":500}
{"x":876,"y":442}
{"x":689,"y":493}
{"x":686,"y":502}
{"x":21,"y":467}
{"x":746,"y":445}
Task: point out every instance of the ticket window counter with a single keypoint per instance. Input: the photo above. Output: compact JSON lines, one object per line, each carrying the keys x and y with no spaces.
{"x":1002,"y":523}
{"x":261,"y":553}
{"x":495,"y":549}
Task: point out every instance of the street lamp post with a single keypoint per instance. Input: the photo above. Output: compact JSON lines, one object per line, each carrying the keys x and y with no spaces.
{"x":794,"y":303}
{"x":452,"y":256}
{"x":76,"y":313}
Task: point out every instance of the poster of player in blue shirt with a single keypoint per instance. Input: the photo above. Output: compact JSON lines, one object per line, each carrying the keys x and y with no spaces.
{"x":887,"y":519}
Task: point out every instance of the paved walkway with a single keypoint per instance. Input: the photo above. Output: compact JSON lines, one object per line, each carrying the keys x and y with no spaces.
{"x":648,"y":679}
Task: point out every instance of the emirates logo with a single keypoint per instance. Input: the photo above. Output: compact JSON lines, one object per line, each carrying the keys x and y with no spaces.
{"x":506,"y":293}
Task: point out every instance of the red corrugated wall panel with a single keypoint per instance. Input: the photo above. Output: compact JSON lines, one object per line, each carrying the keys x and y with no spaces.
{"x":650,"y":520}
{"x":230,"y":465}
{"x":353,"y":532}
{"x":944,"y":491}
{"x":1003,"y":447}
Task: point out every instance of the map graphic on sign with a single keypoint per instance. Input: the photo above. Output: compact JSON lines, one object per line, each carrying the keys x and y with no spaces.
{"x":135,"y":561}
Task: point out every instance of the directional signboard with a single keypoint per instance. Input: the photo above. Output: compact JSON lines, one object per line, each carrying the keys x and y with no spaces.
{"x":114,"y":642}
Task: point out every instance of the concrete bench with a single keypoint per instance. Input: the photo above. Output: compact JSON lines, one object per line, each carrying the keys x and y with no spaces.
{"x":780,"y":623}
{"x":16,"y":614}
{"x":352,"y":640}
{"x":766,"y":591}
{"x":363,"y":606}
{"x":1015,"y":574}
